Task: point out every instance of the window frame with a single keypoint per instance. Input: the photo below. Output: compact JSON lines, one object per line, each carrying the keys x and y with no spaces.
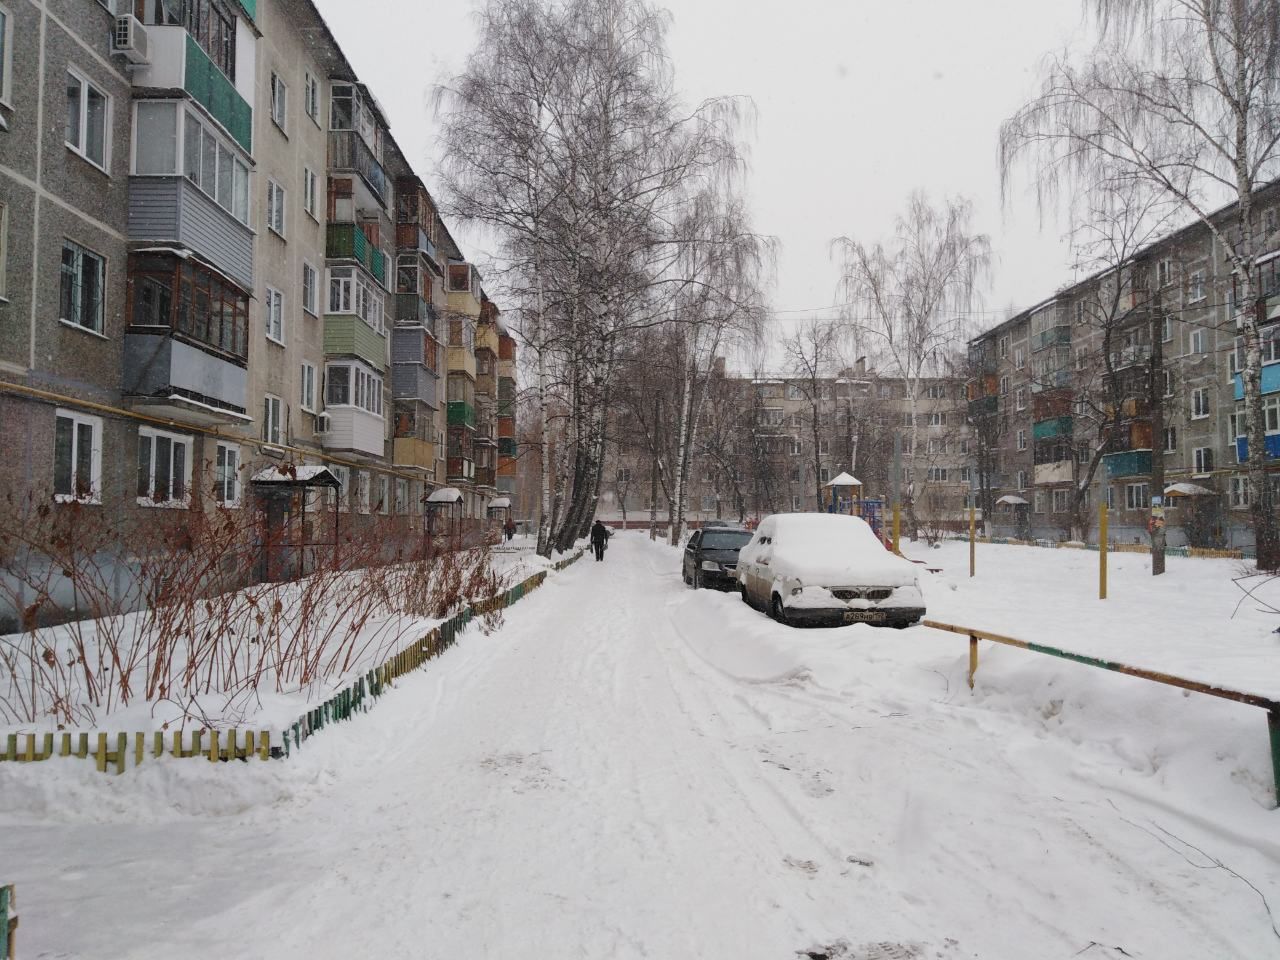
{"x":311,"y":97}
{"x":279,"y":106}
{"x":83,"y":115}
{"x":1196,"y":394}
{"x":100,"y":328}
{"x":94,"y":487}
{"x":277,"y":198}
{"x":176,"y":440}
{"x":4,"y":252}
{"x":307,"y":387}
{"x":221,"y":479}
{"x":1239,"y":493}
{"x":1197,"y":285}
{"x":1022,"y":440}
{"x":6,"y":65}
{"x":1066,"y":500}
{"x":1171,"y":433}
{"x":1202,"y":460}
{"x":1198,"y":342}
{"x":1143,"y":502}
{"x":272,"y":419}
{"x":273,"y":316}
{"x":312,"y":308}
{"x":310,"y":193}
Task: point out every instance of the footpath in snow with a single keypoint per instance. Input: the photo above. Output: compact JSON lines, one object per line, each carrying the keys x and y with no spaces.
{"x":629,"y":768}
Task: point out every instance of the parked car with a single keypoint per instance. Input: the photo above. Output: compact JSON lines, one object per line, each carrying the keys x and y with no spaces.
{"x":827,"y":568}
{"x":711,"y":556}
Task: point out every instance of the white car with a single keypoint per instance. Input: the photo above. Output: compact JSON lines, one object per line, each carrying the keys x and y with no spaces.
{"x":827,"y":568}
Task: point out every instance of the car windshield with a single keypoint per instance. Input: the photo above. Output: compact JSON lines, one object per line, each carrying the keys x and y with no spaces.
{"x":725,"y":539}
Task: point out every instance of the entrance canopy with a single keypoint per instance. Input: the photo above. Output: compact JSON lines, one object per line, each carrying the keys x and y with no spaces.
{"x":445,"y":495}
{"x":1009,"y":498}
{"x":844,"y":480}
{"x":291,"y":476}
{"x":1187,"y":490}
{"x":500,"y":503}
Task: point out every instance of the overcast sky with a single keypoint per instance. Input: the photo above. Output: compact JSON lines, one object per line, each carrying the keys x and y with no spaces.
{"x":859,"y":102}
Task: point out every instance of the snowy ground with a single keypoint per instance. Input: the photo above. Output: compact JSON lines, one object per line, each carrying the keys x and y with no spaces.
{"x":629,"y":768}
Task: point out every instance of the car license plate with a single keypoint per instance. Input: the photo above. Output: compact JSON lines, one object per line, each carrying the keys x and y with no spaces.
{"x":863,"y":616}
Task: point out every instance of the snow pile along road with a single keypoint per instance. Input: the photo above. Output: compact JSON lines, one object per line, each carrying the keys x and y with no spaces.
{"x":630,"y":768}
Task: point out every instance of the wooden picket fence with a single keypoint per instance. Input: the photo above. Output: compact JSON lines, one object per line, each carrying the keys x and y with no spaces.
{"x":112,"y":751}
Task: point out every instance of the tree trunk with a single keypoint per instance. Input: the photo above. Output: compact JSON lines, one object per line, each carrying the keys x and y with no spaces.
{"x":686,"y":407}
{"x":1156,"y":392}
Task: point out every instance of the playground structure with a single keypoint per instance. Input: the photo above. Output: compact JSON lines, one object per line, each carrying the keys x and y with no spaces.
{"x":846,"y":497}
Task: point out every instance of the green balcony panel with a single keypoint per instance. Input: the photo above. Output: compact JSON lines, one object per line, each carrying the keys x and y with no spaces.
{"x":251,"y":8}
{"x":1057,"y":427}
{"x":1130,"y":463}
{"x":507,"y":447}
{"x":346,"y":241}
{"x":378,"y":266}
{"x":461,"y":413}
{"x":351,"y":336}
{"x":984,"y":407}
{"x":211,"y":89}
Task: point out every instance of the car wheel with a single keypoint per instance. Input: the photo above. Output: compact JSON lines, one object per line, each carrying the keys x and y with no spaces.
{"x":685,"y":575}
{"x":779,"y":612}
{"x":903,"y":624}
{"x":746,"y":598}
{"x":697,"y":579}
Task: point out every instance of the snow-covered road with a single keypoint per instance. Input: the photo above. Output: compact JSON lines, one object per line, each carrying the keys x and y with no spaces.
{"x":629,"y":768}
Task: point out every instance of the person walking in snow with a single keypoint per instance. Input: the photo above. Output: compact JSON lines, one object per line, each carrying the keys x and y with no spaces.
{"x":599,"y":539}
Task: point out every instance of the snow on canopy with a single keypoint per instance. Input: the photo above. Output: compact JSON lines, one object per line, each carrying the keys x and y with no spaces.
{"x":305,"y":475}
{"x":445,"y":495}
{"x":1187,"y":490}
{"x":500,"y":503}
{"x":833,"y":549}
{"x":1011,"y":499}
{"x":844,"y":480}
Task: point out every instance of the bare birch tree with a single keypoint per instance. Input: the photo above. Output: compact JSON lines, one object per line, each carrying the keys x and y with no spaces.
{"x":1182,"y":96}
{"x":911,"y":296}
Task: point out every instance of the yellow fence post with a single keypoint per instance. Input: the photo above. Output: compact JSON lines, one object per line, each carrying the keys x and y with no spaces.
{"x":973,"y":658}
{"x":101,"y":758}
{"x":1102,"y":551}
{"x":897,"y":527}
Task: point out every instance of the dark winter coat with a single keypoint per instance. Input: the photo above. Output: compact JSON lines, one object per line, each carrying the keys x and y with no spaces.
{"x":599,"y":533}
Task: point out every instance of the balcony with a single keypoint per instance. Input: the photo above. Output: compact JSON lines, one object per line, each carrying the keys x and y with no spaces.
{"x":462,"y":360}
{"x":193,"y":384}
{"x":1130,"y":356}
{"x":348,"y":151}
{"x":484,"y":476}
{"x":354,"y":430}
{"x":410,"y":236}
{"x":1052,"y":380}
{"x":412,"y":309}
{"x":1059,"y":336}
{"x":984,"y":408}
{"x":414,"y":345}
{"x":506,"y":427}
{"x":1048,"y":429}
{"x":411,"y":452}
{"x":1273,"y":447}
{"x":174,"y":210}
{"x":346,"y":241}
{"x":462,"y":414}
{"x":461,"y":470}
{"x":1051,"y":473}
{"x":507,"y":468}
{"x":487,"y":337}
{"x":178,"y":63}
{"x":413,"y":381}
{"x":1128,"y":463}
{"x":349,"y":336}
{"x":1270,"y":380}
{"x":508,"y":449}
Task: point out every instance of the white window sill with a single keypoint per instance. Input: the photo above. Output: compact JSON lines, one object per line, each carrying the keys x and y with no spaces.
{"x":278,"y":343}
{"x":83,"y":501}
{"x":1203,"y":416}
{"x":312,"y":215}
{"x":227,"y":504}
{"x":310,"y":410}
{"x":164,"y":504}
{"x":81,"y":329}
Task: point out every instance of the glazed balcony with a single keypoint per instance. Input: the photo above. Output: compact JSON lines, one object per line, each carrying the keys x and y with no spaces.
{"x":348,"y":335}
{"x":193,"y":384}
{"x":178,"y":63}
{"x":349,"y":152}
{"x":346,"y":241}
{"x":484,"y":476}
{"x":354,"y":430}
{"x":462,"y":414}
{"x":414,"y":453}
{"x":1128,"y":463}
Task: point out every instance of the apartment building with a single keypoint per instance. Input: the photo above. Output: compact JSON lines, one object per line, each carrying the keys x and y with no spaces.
{"x":251,"y":275}
{"x":1091,"y":398}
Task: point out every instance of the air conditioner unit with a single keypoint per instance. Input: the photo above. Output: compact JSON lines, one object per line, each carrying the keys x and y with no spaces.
{"x":322,"y":423}
{"x":130,"y":40}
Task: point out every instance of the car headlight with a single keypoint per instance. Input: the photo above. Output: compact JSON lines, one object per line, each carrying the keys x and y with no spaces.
{"x":796,"y":591}
{"x":711,"y":565}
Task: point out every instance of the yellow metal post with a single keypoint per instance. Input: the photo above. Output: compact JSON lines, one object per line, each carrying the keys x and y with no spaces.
{"x":973,"y":542}
{"x":1102,"y":551}
{"x":897,"y":527}
{"x":973,"y":658}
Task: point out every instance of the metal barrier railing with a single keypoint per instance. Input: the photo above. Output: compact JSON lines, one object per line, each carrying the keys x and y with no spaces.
{"x":1271,"y":706}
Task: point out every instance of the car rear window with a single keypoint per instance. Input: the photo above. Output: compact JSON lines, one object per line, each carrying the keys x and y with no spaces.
{"x":725,"y":539}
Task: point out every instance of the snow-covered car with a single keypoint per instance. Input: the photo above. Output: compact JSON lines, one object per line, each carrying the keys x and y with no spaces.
{"x":711,"y":556}
{"x":827,"y":568}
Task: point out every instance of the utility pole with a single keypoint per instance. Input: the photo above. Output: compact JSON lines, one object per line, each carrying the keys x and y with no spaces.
{"x":653,"y":475}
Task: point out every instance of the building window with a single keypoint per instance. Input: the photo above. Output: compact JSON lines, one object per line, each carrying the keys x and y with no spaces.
{"x":210,"y":24}
{"x":1202,"y":457}
{"x":937,"y":419}
{"x":6,"y":44}
{"x":1004,"y":348}
{"x":1199,"y":340}
{"x":275,"y":207}
{"x":824,"y":474}
{"x":311,"y":98}
{"x":966,"y":475}
{"x":343,"y":493}
{"x":938,"y":446}
{"x":279,"y":102}
{"x":273,"y":315}
{"x":310,"y":289}
{"x":350,"y":385}
{"x":1195,"y":287}
{"x":936,"y":391}
{"x":1019,"y":357}
{"x":1004,"y":386}
{"x":83,"y":282}
{"x":795,"y":503}
{"x":824,"y":447}
{"x":309,"y":192}
{"x":1111,"y":498}
{"x":937,"y":474}
{"x":1199,"y":403}
{"x":1022,"y":439}
{"x":1060,"y":501}
{"x":1136,"y":496}
{"x":4,"y":248}
{"x":1170,"y":439}
{"x":226,"y":475}
{"x":384,"y":494}
{"x":1239,"y":493}
{"x":1038,"y":501}
{"x":181,"y":295}
{"x":77,"y":457}
{"x":350,"y":292}
{"x":88,"y":120}
{"x":308,"y":380}
{"x":271,"y":416}
{"x":362,"y":491}
{"x":402,"y":496}
{"x":164,"y":468}
{"x":1022,"y":480}
{"x":1168,"y":382}
{"x":1020,"y":398}
{"x":207,"y":160}
{"x":1166,"y":329}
